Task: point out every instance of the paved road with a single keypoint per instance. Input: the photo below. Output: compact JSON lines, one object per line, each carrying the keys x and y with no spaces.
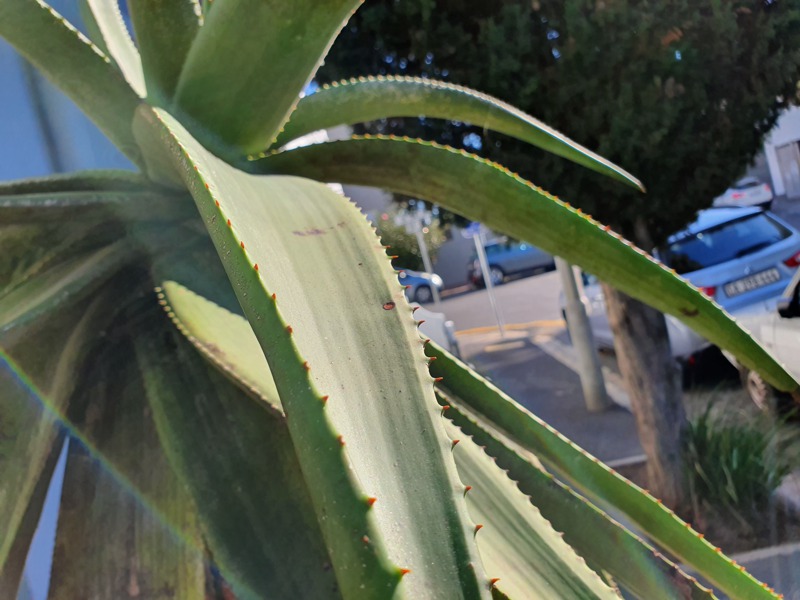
{"x":520,"y":301}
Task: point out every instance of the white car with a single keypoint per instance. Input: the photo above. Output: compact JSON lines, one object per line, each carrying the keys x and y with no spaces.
{"x":775,"y":323}
{"x":438,"y":328}
{"x":748,"y":191}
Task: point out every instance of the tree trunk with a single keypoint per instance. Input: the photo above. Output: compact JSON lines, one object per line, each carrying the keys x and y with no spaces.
{"x":653,"y":380}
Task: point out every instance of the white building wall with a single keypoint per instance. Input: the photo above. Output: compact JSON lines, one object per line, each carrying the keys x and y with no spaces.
{"x":786,"y":131}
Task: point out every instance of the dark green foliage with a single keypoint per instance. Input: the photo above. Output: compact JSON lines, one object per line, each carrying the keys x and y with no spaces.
{"x":404,"y":245}
{"x":678,"y":96}
{"x":733,"y":468}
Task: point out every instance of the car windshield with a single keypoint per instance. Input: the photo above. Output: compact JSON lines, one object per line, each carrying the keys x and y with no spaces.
{"x":723,"y":243}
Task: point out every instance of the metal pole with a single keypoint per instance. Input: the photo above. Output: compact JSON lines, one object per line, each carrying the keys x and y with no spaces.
{"x":480,"y":242}
{"x":426,"y":260}
{"x":591,"y":374}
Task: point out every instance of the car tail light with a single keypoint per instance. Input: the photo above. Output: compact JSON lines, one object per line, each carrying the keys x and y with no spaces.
{"x":737,"y":195}
{"x":793,"y":261}
{"x":708,"y":290}
{"x":767,"y":188}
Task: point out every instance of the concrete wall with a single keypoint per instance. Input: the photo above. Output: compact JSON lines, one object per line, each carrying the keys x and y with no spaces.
{"x":786,"y":131}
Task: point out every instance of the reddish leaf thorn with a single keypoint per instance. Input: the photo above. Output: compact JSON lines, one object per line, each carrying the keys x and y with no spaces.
{"x":274,"y":296}
{"x":255,"y":266}
{"x":453,"y":445}
{"x":289,"y":329}
{"x":206,"y":186}
{"x":371,"y":500}
{"x":438,"y":379}
{"x":242,"y":245}
{"x":415,"y":309}
{"x":365,"y":539}
{"x":324,"y":399}
{"x":229,"y":222}
{"x":404,"y":572}
{"x":493,"y":582}
{"x":393,"y":256}
{"x":432,"y":358}
{"x":418,"y":322}
{"x":217,"y":203}
{"x":340,"y":439}
{"x":466,"y":489}
{"x":306,"y":367}
{"x":478,"y":527}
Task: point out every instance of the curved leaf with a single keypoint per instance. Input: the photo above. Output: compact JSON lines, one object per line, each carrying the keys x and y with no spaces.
{"x":488,"y":407}
{"x":605,"y":544}
{"x":87,"y":207}
{"x":75,"y":66}
{"x":126,"y":526}
{"x":237,"y":459}
{"x":489,"y":193}
{"x":118,"y":41}
{"x":372,"y":98}
{"x":241,"y":93}
{"x":361,"y":413}
{"x":164,"y":31}
{"x":517,"y":545}
{"x":109,"y":180}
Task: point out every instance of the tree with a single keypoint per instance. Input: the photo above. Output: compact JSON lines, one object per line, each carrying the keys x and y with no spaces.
{"x":680,"y":95}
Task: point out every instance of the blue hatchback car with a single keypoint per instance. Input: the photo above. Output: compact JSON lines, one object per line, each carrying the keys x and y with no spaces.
{"x":738,"y":256}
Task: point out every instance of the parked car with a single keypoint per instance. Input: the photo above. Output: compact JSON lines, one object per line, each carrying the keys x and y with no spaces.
{"x":421,"y":285}
{"x":506,"y":258}
{"x":748,"y":191}
{"x":775,"y":323}
{"x":738,"y":256}
{"x":438,"y":328}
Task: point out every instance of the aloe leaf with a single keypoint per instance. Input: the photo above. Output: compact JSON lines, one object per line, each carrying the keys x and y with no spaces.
{"x":13,"y":567}
{"x":74,"y":65}
{"x":487,"y":406}
{"x":74,"y":280}
{"x":362,"y":414}
{"x":117,"y":40}
{"x":108,"y":180}
{"x":607,"y":546}
{"x":164,"y":31}
{"x":518,"y":546}
{"x":88,"y":207}
{"x":263,"y":535}
{"x":127,"y":527}
{"x":225,"y":339}
{"x":372,"y":98}
{"x":486,"y":192}
{"x":240,"y":94}
{"x":34,"y":392}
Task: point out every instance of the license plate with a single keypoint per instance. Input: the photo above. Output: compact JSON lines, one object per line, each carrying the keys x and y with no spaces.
{"x":752,"y":282}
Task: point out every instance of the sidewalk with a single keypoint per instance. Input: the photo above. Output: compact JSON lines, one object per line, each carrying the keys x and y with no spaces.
{"x":521,"y":366}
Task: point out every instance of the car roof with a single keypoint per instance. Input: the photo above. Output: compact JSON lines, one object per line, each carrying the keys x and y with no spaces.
{"x":712,"y":217}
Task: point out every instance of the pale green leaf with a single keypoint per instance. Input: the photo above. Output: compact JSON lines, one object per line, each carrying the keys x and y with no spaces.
{"x":607,"y":546}
{"x":117,"y":40}
{"x":517,"y":545}
{"x":486,"y":192}
{"x":483,"y":403}
{"x":74,"y":65}
{"x":237,"y":88}
{"x":368,"y":389}
{"x":373,"y":98}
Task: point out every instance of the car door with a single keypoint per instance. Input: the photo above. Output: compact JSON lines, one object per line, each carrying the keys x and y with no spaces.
{"x":594,"y":301}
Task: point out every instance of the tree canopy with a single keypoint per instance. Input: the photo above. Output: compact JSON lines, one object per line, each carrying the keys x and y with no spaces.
{"x":680,"y":94}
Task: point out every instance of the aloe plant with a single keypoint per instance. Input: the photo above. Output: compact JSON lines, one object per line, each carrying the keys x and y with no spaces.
{"x":225,"y":337}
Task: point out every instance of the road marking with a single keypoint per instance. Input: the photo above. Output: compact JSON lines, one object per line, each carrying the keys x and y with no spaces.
{"x":513,"y":326}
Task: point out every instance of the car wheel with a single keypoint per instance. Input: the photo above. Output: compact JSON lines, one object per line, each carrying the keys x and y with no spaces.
{"x":496,"y":274}
{"x":764,"y":396}
{"x":423,"y":294}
